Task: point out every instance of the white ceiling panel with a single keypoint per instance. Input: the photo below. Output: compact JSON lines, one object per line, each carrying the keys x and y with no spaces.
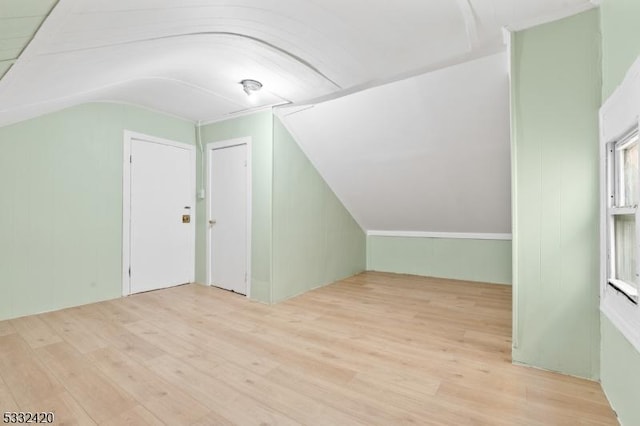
{"x":300,"y":51}
{"x":351,"y":40}
{"x":211,"y":64}
{"x":171,"y":96}
{"x":430,"y":153}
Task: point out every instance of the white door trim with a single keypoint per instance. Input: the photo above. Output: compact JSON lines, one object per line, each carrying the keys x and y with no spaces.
{"x":126,"y":200}
{"x":209,"y":148}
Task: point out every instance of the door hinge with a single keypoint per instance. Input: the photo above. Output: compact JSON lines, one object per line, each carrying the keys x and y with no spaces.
{"x":129,"y":271}
{"x":245,"y":277}
{"x":131,"y":159}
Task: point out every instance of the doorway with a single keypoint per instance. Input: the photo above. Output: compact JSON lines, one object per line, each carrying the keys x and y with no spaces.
{"x":158,"y":213}
{"x":229,"y":215}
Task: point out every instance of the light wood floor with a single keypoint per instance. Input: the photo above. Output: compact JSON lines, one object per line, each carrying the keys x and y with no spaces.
{"x":376,"y":349}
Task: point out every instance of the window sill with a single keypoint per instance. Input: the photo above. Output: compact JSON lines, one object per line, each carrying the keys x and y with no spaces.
{"x":622,"y":210}
{"x":626,"y":289}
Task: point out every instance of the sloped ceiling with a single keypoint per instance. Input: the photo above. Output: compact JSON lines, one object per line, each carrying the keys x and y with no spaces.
{"x":19,"y":21}
{"x":429,"y":153}
{"x":186,"y":57}
{"x":402,"y":106}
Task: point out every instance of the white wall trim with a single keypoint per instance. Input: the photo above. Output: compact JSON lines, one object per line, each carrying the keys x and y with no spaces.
{"x":126,"y":200}
{"x":208,"y":149}
{"x":515,"y":288}
{"x":446,"y":235}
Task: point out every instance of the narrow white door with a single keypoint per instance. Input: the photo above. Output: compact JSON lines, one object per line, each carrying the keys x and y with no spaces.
{"x":228,"y":218}
{"x":162,"y":228}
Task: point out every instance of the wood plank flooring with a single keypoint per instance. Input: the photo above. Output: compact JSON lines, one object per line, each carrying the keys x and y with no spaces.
{"x":374,"y":349}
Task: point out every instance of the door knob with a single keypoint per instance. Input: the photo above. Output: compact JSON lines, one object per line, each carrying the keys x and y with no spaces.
{"x":212,"y":222}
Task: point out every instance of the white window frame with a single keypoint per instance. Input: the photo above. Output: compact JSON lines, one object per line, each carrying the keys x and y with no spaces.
{"x":615,"y":191}
{"x":618,"y":118}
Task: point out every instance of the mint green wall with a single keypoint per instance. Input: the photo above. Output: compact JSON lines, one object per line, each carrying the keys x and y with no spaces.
{"x":556,"y":90}
{"x":620,"y":372}
{"x":61,"y":216}
{"x":315,"y":239}
{"x":460,"y":259}
{"x":620,"y":41}
{"x":259,"y":127}
{"x":61,"y":180}
{"x":620,"y":361}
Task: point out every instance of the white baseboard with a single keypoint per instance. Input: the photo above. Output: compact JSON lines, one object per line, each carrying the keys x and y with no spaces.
{"x":446,"y":235}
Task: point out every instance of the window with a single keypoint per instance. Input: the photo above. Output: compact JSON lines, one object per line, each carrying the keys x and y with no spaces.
{"x":623,"y":159}
{"x":619,"y":212}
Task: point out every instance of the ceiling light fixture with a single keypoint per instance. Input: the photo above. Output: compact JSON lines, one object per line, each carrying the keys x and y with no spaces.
{"x":250,"y":86}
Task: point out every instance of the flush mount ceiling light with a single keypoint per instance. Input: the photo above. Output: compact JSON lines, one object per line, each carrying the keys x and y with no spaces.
{"x":250,"y":86}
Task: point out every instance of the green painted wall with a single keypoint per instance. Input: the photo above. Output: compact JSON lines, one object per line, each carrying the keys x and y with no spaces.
{"x":556,"y":91}
{"x":620,"y":41}
{"x":61,"y":180}
{"x":460,"y":259}
{"x":259,"y":127}
{"x":315,"y":239}
{"x":620,"y":372}
{"x":620,"y":361}
{"x":61,"y":216}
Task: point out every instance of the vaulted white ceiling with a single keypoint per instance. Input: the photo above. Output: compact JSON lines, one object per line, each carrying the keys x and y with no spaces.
{"x":186,"y":57}
{"x":429,"y":153}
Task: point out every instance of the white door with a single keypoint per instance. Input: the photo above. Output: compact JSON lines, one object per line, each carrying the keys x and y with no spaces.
{"x":228,"y":218}
{"x":162,"y":225}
